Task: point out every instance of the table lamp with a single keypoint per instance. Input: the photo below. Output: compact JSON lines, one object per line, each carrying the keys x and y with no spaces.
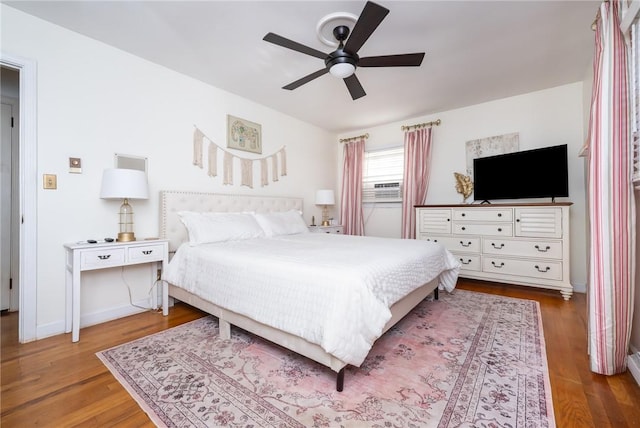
{"x":120,"y":183}
{"x":325,"y":198}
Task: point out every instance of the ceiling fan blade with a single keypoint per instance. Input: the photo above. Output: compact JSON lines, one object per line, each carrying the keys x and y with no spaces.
{"x":371,"y":16}
{"x":306,"y":79}
{"x":402,"y":60}
{"x":290,"y":44}
{"x":355,"y":88}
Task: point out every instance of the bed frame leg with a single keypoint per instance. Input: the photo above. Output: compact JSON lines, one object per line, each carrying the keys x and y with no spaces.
{"x":435,"y":294}
{"x":340,"y":380}
{"x":225,"y":329}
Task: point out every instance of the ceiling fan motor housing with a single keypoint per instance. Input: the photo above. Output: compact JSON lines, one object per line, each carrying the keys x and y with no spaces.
{"x":340,"y":56}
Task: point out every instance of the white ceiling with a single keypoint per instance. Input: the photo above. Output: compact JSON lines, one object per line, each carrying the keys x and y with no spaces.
{"x":476,"y":51}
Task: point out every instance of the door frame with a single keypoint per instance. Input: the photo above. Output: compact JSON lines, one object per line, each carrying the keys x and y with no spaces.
{"x":28,"y":195}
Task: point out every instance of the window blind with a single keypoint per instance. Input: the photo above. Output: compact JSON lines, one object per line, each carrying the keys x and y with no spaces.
{"x":382,"y":175}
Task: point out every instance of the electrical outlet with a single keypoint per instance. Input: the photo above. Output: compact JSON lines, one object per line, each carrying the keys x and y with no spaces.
{"x":50,"y":181}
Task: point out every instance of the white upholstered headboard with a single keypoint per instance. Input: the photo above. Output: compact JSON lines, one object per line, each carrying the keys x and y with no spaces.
{"x":171,"y":202}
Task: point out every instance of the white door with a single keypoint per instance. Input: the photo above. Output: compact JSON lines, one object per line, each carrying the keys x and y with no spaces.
{"x":5,"y":207}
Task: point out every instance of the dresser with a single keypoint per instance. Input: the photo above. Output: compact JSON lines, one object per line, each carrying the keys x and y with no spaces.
{"x":525,"y":244}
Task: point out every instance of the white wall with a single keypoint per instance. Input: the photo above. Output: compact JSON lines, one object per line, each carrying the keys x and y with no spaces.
{"x":545,"y":118}
{"x":94,"y":101}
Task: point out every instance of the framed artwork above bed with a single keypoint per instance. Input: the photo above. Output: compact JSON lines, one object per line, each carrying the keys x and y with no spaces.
{"x":244,"y":135}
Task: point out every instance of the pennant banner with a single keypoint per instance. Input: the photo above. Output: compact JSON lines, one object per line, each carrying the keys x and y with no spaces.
{"x":246,"y":164}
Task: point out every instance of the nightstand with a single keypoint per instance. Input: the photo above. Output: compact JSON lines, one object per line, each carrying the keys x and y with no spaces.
{"x":327,"y":229}
{"x":84,"y":256}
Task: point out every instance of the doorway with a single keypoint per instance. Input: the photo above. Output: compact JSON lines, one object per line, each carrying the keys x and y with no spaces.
{"x":24,"y":195}
{"x":9,"y":168}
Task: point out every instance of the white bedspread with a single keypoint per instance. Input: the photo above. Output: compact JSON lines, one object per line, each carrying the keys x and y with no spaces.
{"x":332,"y":290}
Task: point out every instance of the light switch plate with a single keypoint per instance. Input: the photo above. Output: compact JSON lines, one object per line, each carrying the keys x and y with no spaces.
{"x":50,"y":181}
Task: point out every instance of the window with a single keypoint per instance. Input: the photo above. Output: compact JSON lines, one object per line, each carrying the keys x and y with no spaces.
{"x":382,"y":175}
{"x":631,"y":28}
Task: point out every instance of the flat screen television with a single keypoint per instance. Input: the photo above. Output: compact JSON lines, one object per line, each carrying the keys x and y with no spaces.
{"x":538,"y":173}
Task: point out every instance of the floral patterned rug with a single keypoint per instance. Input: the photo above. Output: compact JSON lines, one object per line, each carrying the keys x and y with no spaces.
{"x":467,"y":360}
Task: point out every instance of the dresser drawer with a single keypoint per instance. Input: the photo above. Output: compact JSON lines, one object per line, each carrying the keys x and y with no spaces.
{"x":101,"y":258}
{"x":525,"y":248}
{"x":483,"y":214}
{"x":470,"y":262}
{"x":496,"y":229}
{"x":458,"y":244}
{"x":543,"y":269}
{"x":146,"y":253}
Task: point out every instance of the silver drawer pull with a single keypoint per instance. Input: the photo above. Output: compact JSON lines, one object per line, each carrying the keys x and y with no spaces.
{"x":547,"y":248}
{"x":465,"y":263}
{"x":497,"y":247}
{"x":547,"y":269}
{"x":105,"y":257}
{"x":147,"y":252}
{"x":497,"y":266}
{"x":468,"y":244}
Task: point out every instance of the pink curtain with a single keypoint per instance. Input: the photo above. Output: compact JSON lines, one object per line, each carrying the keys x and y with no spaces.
{"x":417,"y":159}
{"x":351,"y":216}
{"x":610,"y":201}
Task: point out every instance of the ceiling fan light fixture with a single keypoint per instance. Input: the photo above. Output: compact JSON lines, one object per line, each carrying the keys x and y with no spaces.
{"x":342,"y":70}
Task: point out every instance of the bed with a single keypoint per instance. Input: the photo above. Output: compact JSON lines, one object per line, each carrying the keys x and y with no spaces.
{"x":326,"y":297}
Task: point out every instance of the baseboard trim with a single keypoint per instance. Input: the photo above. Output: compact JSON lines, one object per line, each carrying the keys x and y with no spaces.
{"x":86,"y":320}
{"x":633,"y":362}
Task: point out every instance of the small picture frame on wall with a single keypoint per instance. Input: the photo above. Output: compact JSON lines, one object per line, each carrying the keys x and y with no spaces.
{"x":244,"y":135}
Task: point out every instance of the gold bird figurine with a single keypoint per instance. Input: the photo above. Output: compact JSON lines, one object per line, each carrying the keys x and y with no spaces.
{"x":464,"y":185}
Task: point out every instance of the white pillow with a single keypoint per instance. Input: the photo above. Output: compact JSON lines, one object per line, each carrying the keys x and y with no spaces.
{"x":218,"y":227}
{"x":282,"y":223}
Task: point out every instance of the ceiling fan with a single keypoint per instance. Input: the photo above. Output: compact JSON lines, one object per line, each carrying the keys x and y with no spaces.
{"x":343,"y":61}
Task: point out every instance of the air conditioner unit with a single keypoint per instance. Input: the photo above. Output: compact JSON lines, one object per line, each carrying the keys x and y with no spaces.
{"x":382,"y":192}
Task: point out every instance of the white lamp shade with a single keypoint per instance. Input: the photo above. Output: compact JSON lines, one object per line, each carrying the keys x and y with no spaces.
{"x":120,"y":183}
{"x":325,"y":197}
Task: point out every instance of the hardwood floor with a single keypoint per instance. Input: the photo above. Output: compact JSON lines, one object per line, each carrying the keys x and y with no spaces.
{"x":54,"y":382}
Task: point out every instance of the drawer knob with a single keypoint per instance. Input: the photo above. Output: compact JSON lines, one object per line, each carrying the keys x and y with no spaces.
{"x":496,"y":265}
{"x":463,"y":214}
{"x":464,"y":228}
{"x":543,"y":250}
{"x":499,"y":229}
{"x":499,"y":214}
{"x":147,"y":252}
{"x":104,"y":257}
{"x":468,"y":244}
{"x":465,"y":263}
{"x":497,"y":247}
{"x":543,"y":270}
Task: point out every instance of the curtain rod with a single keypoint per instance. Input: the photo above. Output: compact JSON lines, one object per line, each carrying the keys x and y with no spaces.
{"x":421,"y":125}
{"x":344,"y":140}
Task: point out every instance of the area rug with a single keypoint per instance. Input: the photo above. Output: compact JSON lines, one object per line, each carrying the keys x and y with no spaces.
{"x":467,"y":360}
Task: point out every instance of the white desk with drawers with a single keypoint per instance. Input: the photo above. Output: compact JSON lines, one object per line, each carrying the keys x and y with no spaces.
{"x":84,"y":256}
